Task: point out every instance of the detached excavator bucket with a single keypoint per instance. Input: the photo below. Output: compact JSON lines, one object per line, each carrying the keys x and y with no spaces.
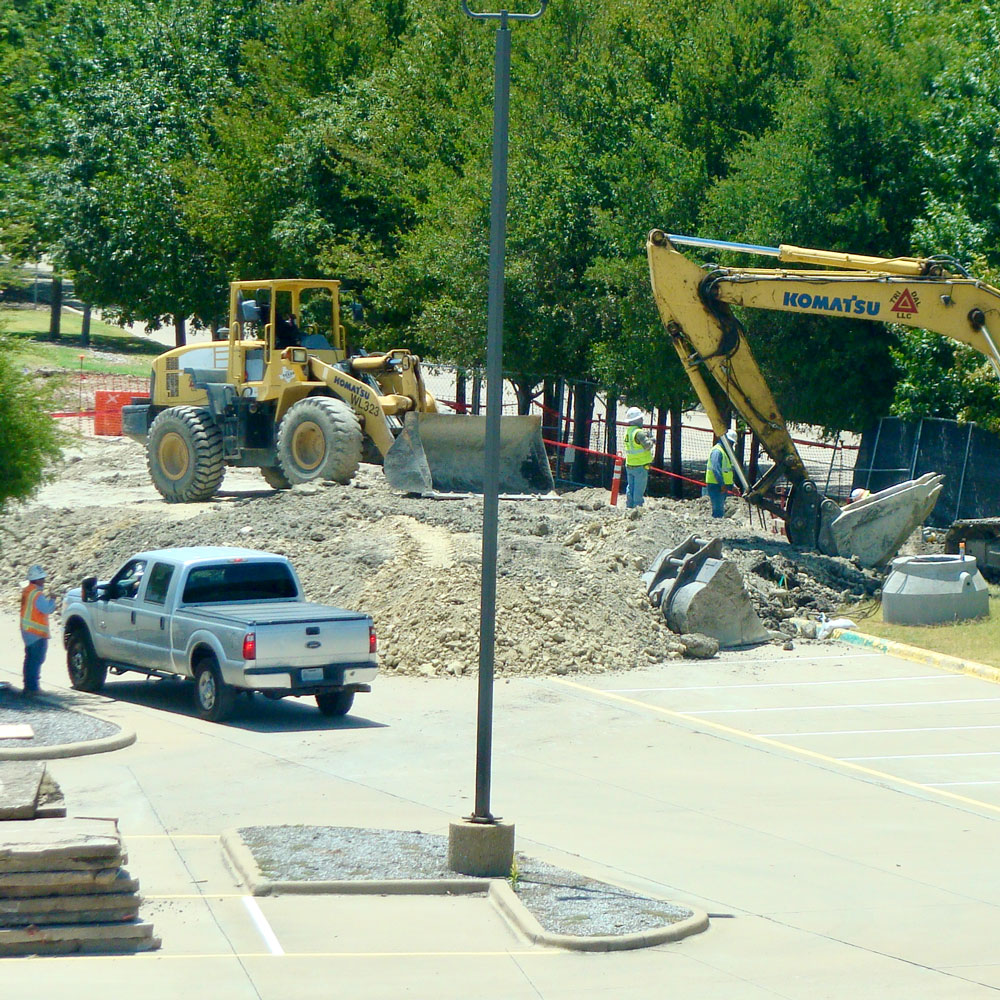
{"x":436,"y":451}
{"x":874,"y":528}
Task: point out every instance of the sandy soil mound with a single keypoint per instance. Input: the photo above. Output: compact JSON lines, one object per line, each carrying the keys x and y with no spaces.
{"x":569,"y":594}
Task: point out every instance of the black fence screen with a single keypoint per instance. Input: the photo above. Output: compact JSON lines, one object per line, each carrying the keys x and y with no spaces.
{"x":966,"y":455}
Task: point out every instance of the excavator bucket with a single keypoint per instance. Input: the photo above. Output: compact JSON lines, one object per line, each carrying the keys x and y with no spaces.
{"x":874,"y":528}
{"x":447,"y":454}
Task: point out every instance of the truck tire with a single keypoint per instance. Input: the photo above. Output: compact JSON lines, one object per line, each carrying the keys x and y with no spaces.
{"x":275,"y":478}
{"x":319,"y":438}
{"x":184,"y":454}
{"x":335,"y":703}
{"x":86,"y":671}
{"x":213,"y":698}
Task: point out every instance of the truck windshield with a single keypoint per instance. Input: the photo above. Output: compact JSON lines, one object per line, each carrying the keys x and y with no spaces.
{"x":229,"y":582}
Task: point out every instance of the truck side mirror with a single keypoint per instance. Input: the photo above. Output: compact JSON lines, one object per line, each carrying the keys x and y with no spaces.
{"x":88,"y":589}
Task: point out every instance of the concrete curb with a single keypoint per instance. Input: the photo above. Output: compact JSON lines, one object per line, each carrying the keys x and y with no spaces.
{"x":498,"y":891}
{"x":953,"y":664}
{"x":123,"y":738}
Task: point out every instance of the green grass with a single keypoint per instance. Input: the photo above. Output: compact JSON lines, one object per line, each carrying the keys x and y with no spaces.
{"x":27,"y":335}
{"x":977,"y":640}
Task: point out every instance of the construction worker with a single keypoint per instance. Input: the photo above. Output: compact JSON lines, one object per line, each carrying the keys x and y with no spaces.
{"x":719,"y":474}
{"x":35,"y":611}
{"x":859,"y":494}
{"x":638,"y":458}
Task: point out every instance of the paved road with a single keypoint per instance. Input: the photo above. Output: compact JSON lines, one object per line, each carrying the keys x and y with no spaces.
{"x":835,"y":811}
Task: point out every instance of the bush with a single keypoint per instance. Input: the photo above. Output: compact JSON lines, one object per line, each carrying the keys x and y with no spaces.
{"x":29,"y":438}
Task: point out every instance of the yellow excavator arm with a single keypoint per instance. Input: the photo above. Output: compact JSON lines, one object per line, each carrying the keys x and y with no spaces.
{"x":925,"y":293}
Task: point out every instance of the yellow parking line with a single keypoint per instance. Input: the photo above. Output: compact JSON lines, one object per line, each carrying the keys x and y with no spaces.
{"x":777,"y":745}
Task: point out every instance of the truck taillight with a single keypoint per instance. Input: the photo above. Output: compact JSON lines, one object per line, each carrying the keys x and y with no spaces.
{"x":250,"y":646}
{"x":372,"y":641}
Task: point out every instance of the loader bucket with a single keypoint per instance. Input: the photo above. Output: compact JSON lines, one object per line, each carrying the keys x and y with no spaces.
{"x":873,"y":529}
{"x":437,"y":451}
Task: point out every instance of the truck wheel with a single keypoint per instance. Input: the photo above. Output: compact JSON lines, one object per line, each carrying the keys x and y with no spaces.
{"x":319,"y":438}
{"x":213,"y":698}
{"x":184,"y":454}
{"x":86,"y":672}
{"x":274,"y":477}
{"x":335,"y":703}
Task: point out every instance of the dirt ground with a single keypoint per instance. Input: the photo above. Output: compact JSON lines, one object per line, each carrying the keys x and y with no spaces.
{"x":569,"y":593}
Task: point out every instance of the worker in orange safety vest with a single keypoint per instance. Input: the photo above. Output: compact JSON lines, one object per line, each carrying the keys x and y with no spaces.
{"x":35,"y":610}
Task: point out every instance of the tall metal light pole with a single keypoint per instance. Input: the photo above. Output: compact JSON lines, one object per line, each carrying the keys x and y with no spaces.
{"x":494,"y":399}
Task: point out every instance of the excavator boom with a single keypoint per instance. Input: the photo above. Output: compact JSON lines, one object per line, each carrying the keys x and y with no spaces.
{"x":925,"y":293}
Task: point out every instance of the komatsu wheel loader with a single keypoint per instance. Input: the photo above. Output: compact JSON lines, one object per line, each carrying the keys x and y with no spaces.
{"x":282,"y":394}
{"x":694,"y":303}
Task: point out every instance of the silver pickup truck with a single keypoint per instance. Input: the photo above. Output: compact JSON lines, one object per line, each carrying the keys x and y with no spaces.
{"x":231,"y":619}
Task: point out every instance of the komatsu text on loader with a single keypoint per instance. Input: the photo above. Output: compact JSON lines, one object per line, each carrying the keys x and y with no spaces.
{"x":282,"y":394}
{"x":934,"y":294}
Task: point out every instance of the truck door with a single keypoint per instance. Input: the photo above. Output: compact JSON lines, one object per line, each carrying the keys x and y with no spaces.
{"x":152,"y":622}
{"x":116,"y":619}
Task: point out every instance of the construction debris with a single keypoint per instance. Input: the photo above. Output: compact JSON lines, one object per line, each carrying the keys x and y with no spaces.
{"x":699,"y":591}
{"x":63,"y":889}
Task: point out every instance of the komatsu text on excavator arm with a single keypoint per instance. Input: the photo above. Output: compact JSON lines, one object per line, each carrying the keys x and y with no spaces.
{"x":694,"y":303}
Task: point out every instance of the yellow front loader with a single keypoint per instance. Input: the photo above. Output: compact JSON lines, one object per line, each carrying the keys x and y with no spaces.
{"x":694,"y":303}
{"x":283,"y":394}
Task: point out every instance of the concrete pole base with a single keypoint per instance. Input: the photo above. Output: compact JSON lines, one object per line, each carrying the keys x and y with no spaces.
{"x":485,"y":850}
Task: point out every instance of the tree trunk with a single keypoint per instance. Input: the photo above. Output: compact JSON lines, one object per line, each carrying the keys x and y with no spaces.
{"x":477,"y":393}
{"x":180,"y":337}
{"x":551,"y":412}
{"x":752,"y":473}
{"x":55,"y":310}
{"x":676,"y":458}
{"x":611,"y":438}
{"x":85,"y":328}
{"x":583,"y":412}
{"x":660,"y":448}
{"x":460,"y":406}
{"x":525,"y":392}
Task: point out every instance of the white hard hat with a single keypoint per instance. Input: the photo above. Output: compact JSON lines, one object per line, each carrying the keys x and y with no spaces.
{"x":857,"y":494}
{"x":35,"y":574}
{"x":731,"y":435}
{"x":633,"y":415}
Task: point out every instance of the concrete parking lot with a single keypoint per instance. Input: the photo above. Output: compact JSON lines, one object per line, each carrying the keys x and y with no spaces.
{"x":833,"y":809}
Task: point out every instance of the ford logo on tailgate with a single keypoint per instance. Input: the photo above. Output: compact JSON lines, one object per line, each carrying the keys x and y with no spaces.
{"x":315,"y":644}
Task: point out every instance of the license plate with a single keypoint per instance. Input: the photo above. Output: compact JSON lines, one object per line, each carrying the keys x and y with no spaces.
{"x":312,"y":674}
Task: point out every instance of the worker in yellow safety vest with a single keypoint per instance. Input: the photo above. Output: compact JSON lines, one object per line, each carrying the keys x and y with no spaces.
{"x":638,"y":458}
{"x":719,"y":474}
{"x":35,"y":610}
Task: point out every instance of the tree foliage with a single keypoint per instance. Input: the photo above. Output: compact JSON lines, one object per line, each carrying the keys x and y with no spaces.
{"x":159,"y":149}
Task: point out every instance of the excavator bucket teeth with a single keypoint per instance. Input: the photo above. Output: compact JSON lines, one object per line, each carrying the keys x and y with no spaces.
{"x":874,"y":528}
{"x":436,"y":451}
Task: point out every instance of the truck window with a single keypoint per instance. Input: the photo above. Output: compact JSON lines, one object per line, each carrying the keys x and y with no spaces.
{"x":125,"y":583}
{"x":159,"y":582}
{"x":230,"y":582}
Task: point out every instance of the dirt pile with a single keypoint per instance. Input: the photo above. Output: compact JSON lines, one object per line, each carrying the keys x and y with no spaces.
{"x":569,"y":594}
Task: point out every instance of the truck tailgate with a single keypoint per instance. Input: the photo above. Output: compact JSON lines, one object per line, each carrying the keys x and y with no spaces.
{"x":311,"y":642}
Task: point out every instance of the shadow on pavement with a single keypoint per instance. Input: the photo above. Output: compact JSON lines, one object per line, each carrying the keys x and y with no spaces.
{"x":256,"y":714}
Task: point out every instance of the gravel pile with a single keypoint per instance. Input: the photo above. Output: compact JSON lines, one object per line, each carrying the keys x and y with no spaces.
{"x":562,"y":901}
{"x":569,"y":594}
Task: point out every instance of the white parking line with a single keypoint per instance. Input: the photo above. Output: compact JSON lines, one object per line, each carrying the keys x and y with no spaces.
{"x":788,"y":684}
{"x":263,"y":927}
{"x":829,"y":708}
{"x":948,"y":784}
{"x":875,"y":732}
{"x":927,"y":756}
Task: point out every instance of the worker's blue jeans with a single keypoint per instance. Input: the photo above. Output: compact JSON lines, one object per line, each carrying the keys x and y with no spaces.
{"x":636,"y":477}
{"x":34,"y":657}
{"x":718,"y":498}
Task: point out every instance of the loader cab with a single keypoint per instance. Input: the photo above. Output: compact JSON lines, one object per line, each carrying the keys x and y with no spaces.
{"x":274,"y":326}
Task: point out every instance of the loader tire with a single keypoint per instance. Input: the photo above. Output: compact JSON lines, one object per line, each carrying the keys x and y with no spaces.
{"x":184,"y":454}
{"x":274,"y":477}
{"x":319,"y":438}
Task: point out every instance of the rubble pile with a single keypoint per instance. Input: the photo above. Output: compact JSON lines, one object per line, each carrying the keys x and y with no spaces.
{"x":569,"y":592}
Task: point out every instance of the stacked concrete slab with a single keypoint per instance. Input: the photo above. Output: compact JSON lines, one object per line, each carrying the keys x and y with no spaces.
{"x":27,"y":791}
{"x":63,"y":888}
